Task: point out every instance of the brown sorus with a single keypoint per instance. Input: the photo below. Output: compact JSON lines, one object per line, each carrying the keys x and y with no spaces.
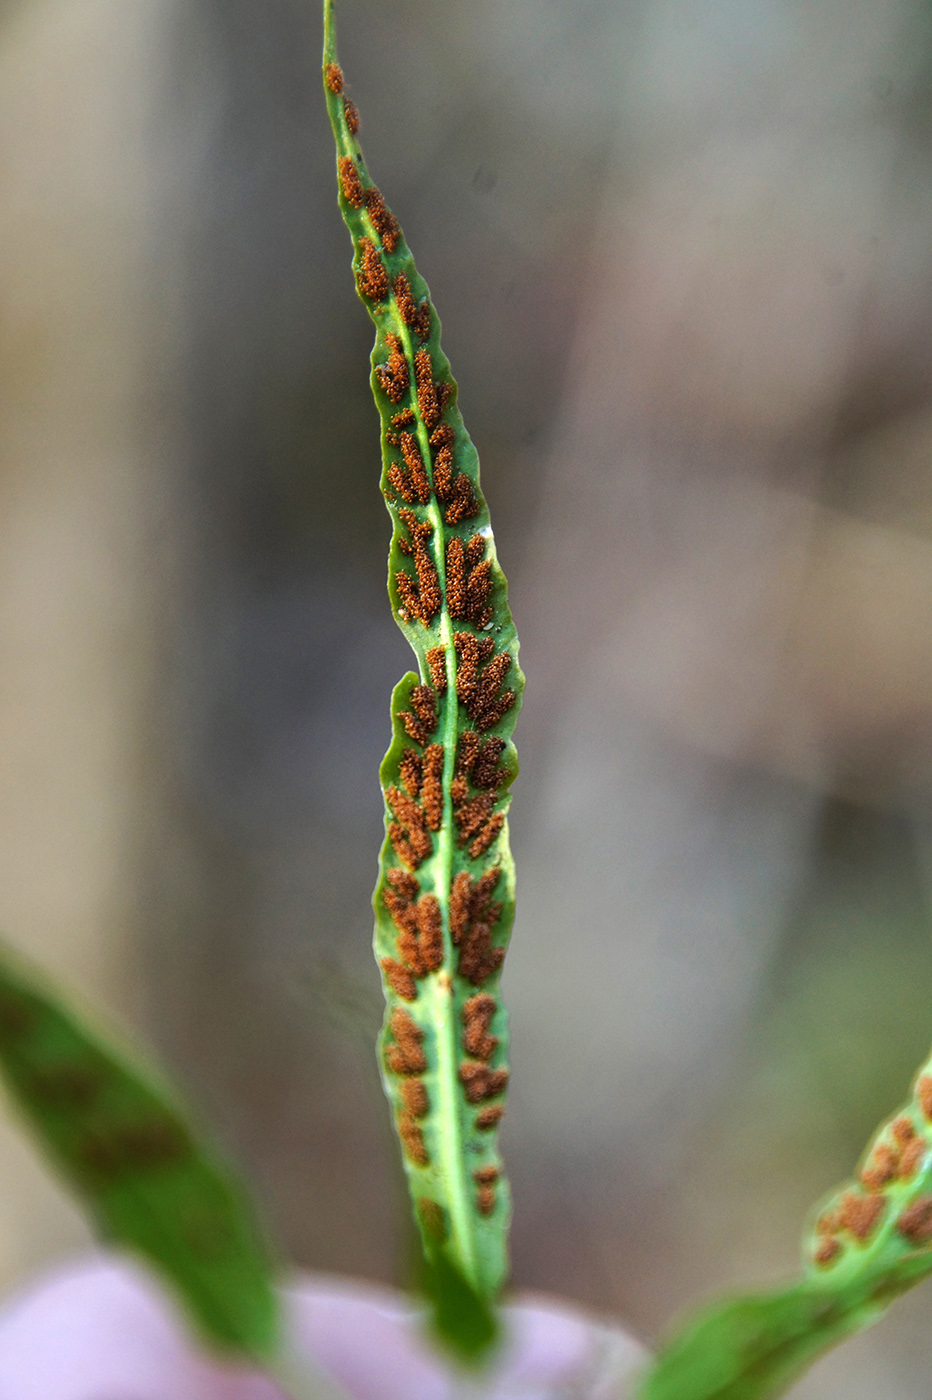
{"x":479,"y":679}
{"x":432,"y":796}
{"x":421,"y":720}
{"x":406,"y":1055}
{"x":414,"y":315}
{"x":415,"y":1097}
{"x":859,"y":1214}
{"x":437,"y":667}
{"x":408,"y":833}
{"x":469,"y":581}
{"x":404,"y":419}
{"x":830,"y":1221}
{"x":402,"y":882}
{"x":400,"y":979}
{"x":413,"y":1140}
{"x":350,"y":183}
{"x":478,"y":959}
{"x":422,"y":599}
{"x":471,"y":815}
{"x":471,"y":903}
{"x":453,"y":489}
{"x":333,"y":77}
{"x":477,"y":1017}
{"x":828,"y":1250}
{"x":410,"y":481}
{"x":480,"y":1082}
{"x":486,"y":772}
{"x":881,"y":1167}
{"x":371,"y":277}
{"x":903,"y":1130}
{"x":485,"y":1199}
{"x":488,"y":1118}
{"x":430,"y":397}
{"x":924,"y":1094}
{"x":393,"y":375}
{"x":383,"y":220}
{"x":912,"y":1155}
{"x":487,"y":835}
{"x":351,"y":111}
{"x":411,"y":772}
{"x":430,"y":928}
{"x":915,"y":1222}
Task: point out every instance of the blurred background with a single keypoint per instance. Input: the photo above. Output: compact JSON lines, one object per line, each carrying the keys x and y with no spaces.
{"x":683,"y":254}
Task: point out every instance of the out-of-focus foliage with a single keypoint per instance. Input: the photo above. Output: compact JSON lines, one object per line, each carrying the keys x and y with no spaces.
{"x":145,"y":1173}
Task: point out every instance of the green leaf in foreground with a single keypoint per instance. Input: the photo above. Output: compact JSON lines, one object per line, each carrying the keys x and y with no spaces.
{"x":464,"y":1322}
{"x":151,"y":1184}
{"x":867,"y":1243}
{"x":444,"y":902}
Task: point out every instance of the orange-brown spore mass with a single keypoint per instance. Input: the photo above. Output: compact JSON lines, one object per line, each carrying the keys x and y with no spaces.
{"x":472,"y":917}
{"x":400,"y":979}
{"x":915,"y":1222}
{"x":882,"y":1167}
{"x":479,"y":679}
{"x":422,"y":599}
{"x":351,"y":111}
{"x":489,"y":1118}
{"x":414,"y":315}
{"x":411,"y":772}
{"x":477,"y":1017}
{"x":469,"y":581}
{"x":421,"y":720}
{"x":860,"y":1214}
{"x":333,"y":77}
{"x":413,"y":1140}
{"x":406,"y":1055}
{"x":408,"y":833}
{"x":485,"y":1199}
{"x":350,"y":183}
{"x":481,"y":1083}
{"x":394,"y":379}
{"x":827,"y":1252}
{"x":415,"y":1097}
{"x":371,"y":277}
{"x":432,"y":795}
{"x":924,"y":1094}
{"x":453,"y":489}
{"x":437,"y":668}
{"x":383,"y":220}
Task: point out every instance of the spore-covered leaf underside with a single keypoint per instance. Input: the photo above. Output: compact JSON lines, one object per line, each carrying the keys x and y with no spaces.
{"x":445,"y":896}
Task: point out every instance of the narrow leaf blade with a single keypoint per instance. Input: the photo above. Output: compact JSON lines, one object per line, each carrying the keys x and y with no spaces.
{"x":122,"y":1141}
{"x":444,"y":902}
{"x":867,"y":1243}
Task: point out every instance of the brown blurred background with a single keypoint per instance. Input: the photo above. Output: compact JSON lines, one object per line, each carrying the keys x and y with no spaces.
{"x":684,"y":258}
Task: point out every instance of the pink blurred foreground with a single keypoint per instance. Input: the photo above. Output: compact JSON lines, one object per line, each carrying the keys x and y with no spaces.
{"x":101,"y":1329}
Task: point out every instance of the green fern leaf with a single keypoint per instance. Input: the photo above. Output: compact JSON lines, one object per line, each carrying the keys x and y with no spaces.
{"x":445,"y":897}
{"x":120,"y":1139}
{"x":867,"y":1243}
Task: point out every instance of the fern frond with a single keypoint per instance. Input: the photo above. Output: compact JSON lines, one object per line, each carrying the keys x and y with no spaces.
{"x":867,"y":1243}
{"x":445,"y":896}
